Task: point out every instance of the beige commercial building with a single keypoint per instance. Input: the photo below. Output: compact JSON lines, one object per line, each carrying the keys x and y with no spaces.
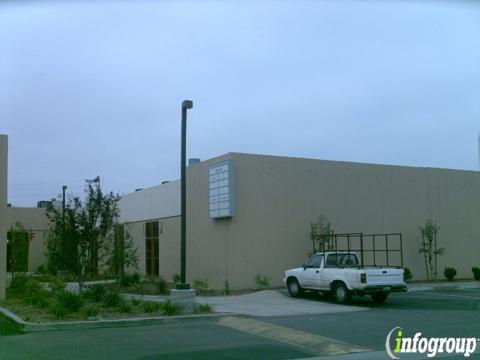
{"x":254,"y":217}
{"x":3,"y":212}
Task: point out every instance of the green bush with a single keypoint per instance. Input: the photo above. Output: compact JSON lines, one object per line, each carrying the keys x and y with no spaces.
{"x":58,"y":310}
{"x":124,"y":307}
{"x":70,"y":301}
{"x":476,"y":273}
{"x":170,"y":309}
{"x":261,"y":281}
{"x":90,"y":312}
{"x":129,"y":280}
{"x":450,"y":273}
{"x":200,"y":283}
{"x":136,"y":302}
{"x":56,"y":285}
{"x":112,"y":299}
{"x":41,"y":270}
{"x":19,"y":283}
{"x":151,"y":307}
{"x":202,"y":309}
{"x":95,"y":293}
{"x":407,"y":274}
{"x":176,"y":278}
{"x":135,"y":278}
{"x":162,"y":286}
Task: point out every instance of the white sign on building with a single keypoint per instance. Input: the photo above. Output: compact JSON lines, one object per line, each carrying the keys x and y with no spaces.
{"x":221,"y":194}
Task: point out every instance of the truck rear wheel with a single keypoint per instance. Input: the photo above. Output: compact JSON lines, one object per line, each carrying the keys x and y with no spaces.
{"x":294,"y":288}
{"x":342,"y":294}
{"x":379,"y":298}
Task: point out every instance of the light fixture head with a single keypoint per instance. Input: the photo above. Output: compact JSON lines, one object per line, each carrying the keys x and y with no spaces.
{"x":187,"y":104}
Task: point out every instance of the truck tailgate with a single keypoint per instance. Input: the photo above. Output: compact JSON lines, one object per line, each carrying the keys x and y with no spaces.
{"x":384,"y":276}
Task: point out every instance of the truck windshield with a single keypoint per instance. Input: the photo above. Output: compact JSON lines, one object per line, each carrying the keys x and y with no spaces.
{"x":342,"y":260}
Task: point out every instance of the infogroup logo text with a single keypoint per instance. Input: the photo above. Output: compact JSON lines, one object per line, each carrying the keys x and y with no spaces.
{"x":430,"y":346}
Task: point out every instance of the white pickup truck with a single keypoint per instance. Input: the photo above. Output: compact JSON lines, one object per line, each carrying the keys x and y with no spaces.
{"x":340,"y":274}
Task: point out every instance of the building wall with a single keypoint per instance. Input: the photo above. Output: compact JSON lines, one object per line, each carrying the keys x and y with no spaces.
{"x":278,"y":197}
{"x":157,"y":202}
{"x":36,"y":221}
{"x":169,"y":245}
{"x":3,"y":209}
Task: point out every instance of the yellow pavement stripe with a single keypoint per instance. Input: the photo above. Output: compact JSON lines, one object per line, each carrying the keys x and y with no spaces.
{"x":319,"y":345}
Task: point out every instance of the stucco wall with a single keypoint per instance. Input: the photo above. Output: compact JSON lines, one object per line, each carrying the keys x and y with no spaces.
{"x":36,"y":221}
{"x":3,"y":209}
{"x":169,"y":246}
{"x":278,"y":197}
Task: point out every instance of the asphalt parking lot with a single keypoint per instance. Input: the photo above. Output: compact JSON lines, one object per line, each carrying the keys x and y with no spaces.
{"x":442,"y":312}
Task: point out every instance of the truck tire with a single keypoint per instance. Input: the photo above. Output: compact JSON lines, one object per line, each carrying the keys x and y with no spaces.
{"x":294,"y":288}
{"x":379,"y":298}
{"x":342,"y":294}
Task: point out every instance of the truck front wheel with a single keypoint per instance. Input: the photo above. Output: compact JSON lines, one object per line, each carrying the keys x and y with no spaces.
{"x":342,"y":294}
{"x":379,"y":298}
{"x":294,"y":288}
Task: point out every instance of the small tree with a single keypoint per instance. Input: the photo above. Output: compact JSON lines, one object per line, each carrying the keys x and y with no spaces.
{"x":82,"y":239}
{"x":320,"y":233}
{"x":429,"y":247}
{"x":121,"y":253}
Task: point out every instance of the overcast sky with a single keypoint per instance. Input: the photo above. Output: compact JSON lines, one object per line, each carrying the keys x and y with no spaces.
{"x":94,"y":88}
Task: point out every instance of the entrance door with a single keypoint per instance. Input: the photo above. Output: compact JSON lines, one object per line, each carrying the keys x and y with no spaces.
{"x":151,"y":246}
{"x":18,"y":242}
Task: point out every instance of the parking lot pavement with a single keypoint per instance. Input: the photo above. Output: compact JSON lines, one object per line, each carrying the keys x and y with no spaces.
{"x":329,"y":334}
{"x":272,"y":303}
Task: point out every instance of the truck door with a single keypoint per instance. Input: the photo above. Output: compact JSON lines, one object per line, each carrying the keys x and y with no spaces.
{"x":311,"y":272}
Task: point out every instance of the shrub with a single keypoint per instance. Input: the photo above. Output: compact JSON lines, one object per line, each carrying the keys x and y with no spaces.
{"x":95,"y":293}
{"x":476,"y":273}
{"x":56,"y":285}
{"x":450,"y":273}
{"x":41,"y":270}
{"x":112,"y":299}
{"x":19,"y":283}
{"x":90,"y":311}
{"x":58,"y":310}
{"x":407,"y":274}
{"x":261,"y":281}
{"x":136,"y":302}
{"x":162,"y":285}
{"x":176,"y":278}
{"x":200,"y":284}
{"x":202,"y":309}
{"x":70,"y":301}
{"x":150,"y":306}
{"x":170,"y":309}
{"x":124,"y":307}
{"x":129,"y":280}
{"x":135,"y":278}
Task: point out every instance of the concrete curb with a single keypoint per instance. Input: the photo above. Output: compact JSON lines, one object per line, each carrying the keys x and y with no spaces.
{"x":27,"y":327}
{"x":444,"y":285}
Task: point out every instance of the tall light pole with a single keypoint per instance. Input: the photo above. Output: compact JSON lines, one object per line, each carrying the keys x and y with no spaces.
{"x":186,"y":104}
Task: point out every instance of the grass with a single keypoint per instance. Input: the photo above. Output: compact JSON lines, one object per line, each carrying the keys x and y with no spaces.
{"x":8,"y":326}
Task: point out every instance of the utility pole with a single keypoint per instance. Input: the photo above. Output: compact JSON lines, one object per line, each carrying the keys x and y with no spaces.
{"x":186,"y":104}
{"x":64,"y":187}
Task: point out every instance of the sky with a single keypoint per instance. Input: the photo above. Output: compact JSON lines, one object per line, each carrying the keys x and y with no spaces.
{"x":93,"y":88}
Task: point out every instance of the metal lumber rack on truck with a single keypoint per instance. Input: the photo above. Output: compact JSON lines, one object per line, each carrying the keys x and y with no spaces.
{"x":375,"y":250}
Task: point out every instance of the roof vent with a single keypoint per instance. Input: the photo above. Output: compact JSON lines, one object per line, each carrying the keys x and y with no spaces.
{"x":193,"y":161}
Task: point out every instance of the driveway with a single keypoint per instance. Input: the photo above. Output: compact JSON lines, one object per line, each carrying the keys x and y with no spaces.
{"x":272,"y":303}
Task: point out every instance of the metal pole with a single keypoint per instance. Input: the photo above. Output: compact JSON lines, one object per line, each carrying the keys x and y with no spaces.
{"x":187,"y":104}
{"x":64,"y":187}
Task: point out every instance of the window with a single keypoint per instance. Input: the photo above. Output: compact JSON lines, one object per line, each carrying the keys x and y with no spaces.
{"x":315,"y":261}
{"x":342,"y":260}
{"x":151,"y":246}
